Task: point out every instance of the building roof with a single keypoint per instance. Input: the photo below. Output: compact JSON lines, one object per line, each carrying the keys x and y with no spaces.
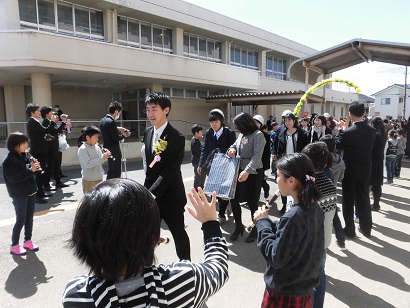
{"x":263,"y":98}
{"x":389,"y":87}
{"x":346,"y":55}
{"x":366,"y":98}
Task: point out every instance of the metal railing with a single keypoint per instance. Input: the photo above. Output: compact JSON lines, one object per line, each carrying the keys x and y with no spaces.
{"x":137,"y":128}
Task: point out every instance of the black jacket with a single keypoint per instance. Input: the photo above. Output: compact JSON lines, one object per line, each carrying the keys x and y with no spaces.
{"x":224,"y":141}
{"x":301,"y":141}
{"x":266,"y":152}
{"x":36,"y":132}
{"x":164,"y":179}
{"x":195,"y":151}
{"x":111,"y":136}
{"x":18,"y":178}
{"x":54,"y":131}
{"x":357,"y":144}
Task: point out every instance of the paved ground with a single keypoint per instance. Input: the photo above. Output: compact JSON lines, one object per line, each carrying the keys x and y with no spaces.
{"x":371,"y":273}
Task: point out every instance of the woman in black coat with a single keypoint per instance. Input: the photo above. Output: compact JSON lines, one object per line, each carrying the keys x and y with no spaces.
{"x":376,"y":179}
{"x":318,"y":129}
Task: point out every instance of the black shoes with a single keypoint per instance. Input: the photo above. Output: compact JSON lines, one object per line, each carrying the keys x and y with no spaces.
{"x":375,"y":208}
{"x":62,"y":185}
{"x":349,"y":235}
{"x":45,"y":195}
{"x":236,"y":234}
{"x":364,"y":233}
{"x":40,"y":200}
{"x":252,"y":236}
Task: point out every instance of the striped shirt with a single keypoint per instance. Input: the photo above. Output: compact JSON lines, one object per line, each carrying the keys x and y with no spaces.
{"x":180,"y":284}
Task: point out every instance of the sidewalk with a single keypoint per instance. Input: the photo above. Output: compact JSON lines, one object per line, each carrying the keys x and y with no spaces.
{"x":373,"y":272}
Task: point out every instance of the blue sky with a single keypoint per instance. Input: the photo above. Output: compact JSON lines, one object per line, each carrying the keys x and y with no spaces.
{"x":323,"y":24}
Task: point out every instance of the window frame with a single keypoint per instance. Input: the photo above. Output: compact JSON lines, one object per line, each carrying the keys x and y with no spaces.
{"x":206,"y":53}
{"x":276,"y":63}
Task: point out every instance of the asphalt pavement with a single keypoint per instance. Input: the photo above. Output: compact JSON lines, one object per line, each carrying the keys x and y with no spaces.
{"x":372,"y":272}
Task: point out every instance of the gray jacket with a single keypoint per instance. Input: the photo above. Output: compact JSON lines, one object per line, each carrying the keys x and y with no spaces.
{"x":91,"y":160}
{"x":249,"y":148}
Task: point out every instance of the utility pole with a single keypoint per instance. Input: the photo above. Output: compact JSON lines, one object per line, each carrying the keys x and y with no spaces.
{"x":405,"y":95}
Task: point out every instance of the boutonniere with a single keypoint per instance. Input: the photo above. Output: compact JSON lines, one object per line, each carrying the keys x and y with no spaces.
{"x":159,"y":147}
{"x":244,"y":140}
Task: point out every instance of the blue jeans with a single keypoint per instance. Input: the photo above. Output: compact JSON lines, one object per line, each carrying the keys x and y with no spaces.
{"x":320,"y":291}
{"x":390,"y":166}
{"x":24,"y":207}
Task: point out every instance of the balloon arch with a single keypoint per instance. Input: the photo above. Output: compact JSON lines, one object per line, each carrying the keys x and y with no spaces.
{"x":303,"y":99}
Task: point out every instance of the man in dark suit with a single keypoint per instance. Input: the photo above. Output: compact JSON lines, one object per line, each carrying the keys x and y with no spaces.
{"x":357,"y":143}
{"x":39,"y":140}
{"x":52,"y":157}
{"x":112,"y":135}
{"x":164,"y":152}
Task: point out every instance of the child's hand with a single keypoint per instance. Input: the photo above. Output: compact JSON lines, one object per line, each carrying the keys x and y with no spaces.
{"x":35,"y":165}
{"x":202,"y":210}
{"x":107,"y":154}
{"x":262,"y":212}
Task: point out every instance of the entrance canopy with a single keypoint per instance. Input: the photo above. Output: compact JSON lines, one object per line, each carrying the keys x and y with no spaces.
{"x":345,"y":55}
{"x":262,"y":98}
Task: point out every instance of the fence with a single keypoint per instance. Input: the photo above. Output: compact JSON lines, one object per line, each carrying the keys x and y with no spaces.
{"x":137,"y":128}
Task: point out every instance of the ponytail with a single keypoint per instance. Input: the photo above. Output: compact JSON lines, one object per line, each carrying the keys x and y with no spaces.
{"x":300,"y":167}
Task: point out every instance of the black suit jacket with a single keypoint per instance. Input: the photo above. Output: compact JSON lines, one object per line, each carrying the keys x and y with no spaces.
{"x":36,"y":132}
{"x":224,"y":141}
{"x":54,"y":131}
{"x":357,"y":143}
{"x":111,"y":136}
{"x":164,"y":179}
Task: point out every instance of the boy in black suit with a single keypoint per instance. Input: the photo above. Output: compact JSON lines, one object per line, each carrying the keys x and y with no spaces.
{"x":164,"y":152}
{"x":112,"y":135}
{"x":39,"y":146}
{"x":357,"y":144}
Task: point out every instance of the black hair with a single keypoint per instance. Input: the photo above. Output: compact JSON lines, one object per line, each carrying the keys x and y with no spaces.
{"x":378,"y":124}
{"x":158,"y":98}
{"x":291,"y":116}
{"x":332,"y":123}
{"x":245,"y":123}
{"x":14,"y":140}
{"x":45,"y":110}
{"x":392,"y":134}
{"x":215,"y":116}
{"x":264,"y":127}
{"x":322,"y":118}
{"x":30,"y":108}
{"x":318,"y":154}
{"x":356,"y":108}
{"x":114,"y":106}
{"x":400,"y":131}
{"x":116,"y":229}
{"x":58,"y":106}
{"x":90,"y":131}
{"x":299,"y":166}
{"x":196,"y":129}
{"x":330,"y":142}
{"x":273,"y":124}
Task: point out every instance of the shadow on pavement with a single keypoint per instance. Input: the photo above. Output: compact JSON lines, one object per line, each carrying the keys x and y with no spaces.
{"x":372,"y":271}
{"x":352,"y":295}
{"x":29,"y":273}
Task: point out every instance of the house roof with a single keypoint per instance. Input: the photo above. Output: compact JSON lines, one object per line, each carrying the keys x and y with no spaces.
{"x":389,"y":87}
{"x":263,"y":98}
{"x":366,"y":98}
{"x":346,"y":55}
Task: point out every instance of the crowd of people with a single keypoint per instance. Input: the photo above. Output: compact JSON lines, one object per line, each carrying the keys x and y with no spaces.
{"x":117,"y":225}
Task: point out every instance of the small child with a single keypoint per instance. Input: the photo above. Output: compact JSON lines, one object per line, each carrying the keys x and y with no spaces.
{"x":91,"y":158}
{"x":318,"y":154}
{"x":197,"y":131}
{"x":295,"y":243}
{"x":338,"y":169}
{"x":18,"y":172}
{"x":402,"y":142}
{"x":391,"y":154}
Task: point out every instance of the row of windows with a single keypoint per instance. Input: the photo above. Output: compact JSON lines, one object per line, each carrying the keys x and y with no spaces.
{"x":188,"y":93}
{"x":244,"y":57}
{"x":61,"y":16}
{"x":136,"y":33}
{"x":275,"y":67}
{"x":65,"y":17}
{"x":202,"y":48}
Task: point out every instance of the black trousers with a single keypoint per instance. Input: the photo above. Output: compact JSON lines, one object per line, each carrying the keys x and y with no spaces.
{"x":114,"y":166}
{"x":356,"y":190}
{"x":199,"y":179}
{"x":52,"y":168}
{"x":176,"y":225}
{"x":41,"y":177}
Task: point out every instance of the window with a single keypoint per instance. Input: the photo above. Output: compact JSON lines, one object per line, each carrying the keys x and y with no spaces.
{"x":385,"y":101}
{"x":136,"y":33}
{"x":244,"y":57}
{"x":177,"y":92}
{"x":190,"y":93}
{"x":70,"y":19}
{"x":341,"y":112}
{"x":202,"y":48}
{"x":401,"y":100}
{"x":275,"y":67}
